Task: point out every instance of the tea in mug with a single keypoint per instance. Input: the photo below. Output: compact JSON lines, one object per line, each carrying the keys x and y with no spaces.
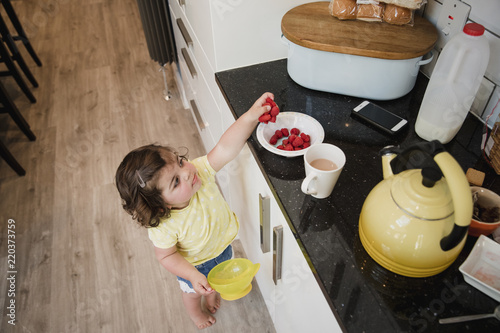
{"x":323,"y":164}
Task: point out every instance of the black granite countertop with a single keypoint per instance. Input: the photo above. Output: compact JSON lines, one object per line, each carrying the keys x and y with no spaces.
{"x":364,"y":296}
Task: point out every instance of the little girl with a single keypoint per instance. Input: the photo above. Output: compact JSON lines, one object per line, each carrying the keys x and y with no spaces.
{"x":188,"y":220}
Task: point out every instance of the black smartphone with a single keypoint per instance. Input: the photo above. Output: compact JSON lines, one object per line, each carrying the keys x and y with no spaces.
{"x":379,"y":117}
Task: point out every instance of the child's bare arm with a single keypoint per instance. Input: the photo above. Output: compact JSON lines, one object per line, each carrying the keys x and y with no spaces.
{"x":176,"y":264}
{"x":232,"y":141}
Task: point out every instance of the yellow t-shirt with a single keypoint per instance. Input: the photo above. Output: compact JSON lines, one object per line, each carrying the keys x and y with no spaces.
{"x":203,"y":229}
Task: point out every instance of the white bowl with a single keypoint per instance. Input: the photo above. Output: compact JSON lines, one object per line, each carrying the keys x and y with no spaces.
{"x":481,"y":269}
{"x":306,"y":124}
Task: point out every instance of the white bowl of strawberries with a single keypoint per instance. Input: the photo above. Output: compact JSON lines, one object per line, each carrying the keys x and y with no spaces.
{"x":291,"y":134}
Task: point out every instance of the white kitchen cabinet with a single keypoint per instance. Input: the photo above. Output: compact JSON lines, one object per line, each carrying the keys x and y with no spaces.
{"x":300,"y":305}
{"x":199,"y":97}
{"x":248,"y":187}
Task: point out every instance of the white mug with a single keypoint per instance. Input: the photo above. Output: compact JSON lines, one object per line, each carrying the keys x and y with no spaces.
{"x":323,"y":163}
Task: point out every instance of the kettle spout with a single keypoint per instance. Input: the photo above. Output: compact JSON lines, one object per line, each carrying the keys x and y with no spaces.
{"x":388,"y":155}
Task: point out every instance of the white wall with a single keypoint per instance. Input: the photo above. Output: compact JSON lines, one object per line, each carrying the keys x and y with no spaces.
{"x":487,"y":13}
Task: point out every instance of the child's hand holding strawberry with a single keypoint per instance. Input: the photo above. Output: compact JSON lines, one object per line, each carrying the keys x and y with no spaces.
{"x":273,"y":111}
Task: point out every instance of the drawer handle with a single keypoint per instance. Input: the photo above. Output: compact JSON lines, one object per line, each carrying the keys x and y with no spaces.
{"x":265,"y":223}
{"x":184,"y":32}
{"x":189,"y":62}
{"x":197,"y":114}
{"x":277,"y":253}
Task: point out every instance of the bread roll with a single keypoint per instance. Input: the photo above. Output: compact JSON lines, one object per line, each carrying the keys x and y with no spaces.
{"x":475,"y":177}
{"x":397,"y":15}
{"x":343,"y":9}
{"x":410,"y":4}
{"x":370,"y":12}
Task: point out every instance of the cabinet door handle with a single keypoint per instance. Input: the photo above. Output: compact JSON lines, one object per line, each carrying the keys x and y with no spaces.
{"x":265,"y":223}
{"x":277,"y":253}
{"x":189,"y":62}
{"x":197,"y":114}
{"x":184,"y":32}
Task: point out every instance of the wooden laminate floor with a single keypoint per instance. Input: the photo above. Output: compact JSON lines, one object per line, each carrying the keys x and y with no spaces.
{"x":81,"y":264}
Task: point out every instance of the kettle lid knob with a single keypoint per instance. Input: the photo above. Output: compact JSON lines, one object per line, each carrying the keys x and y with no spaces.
{"x":430,"y":176}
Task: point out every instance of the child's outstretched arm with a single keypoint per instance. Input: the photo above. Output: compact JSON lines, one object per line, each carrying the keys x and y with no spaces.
{"x":232,"y":141}
{"x":176,"y":264}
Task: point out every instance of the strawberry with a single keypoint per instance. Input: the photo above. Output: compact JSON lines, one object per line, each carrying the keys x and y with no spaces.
{"x":288,"y":147}
{"x":285,"y":132}
{"x":281,"y":147}
{"x":265,"y":118}
{"x":305,"y":137}
{"x":273,"y":140}
{"x":274,"y":111}
{"x":278,"y":134}
{"x":295,"y":131}
{"x":306,"y":144}
{"x":273,"y":119}
{"x":292,"y":138}
{"x":270,"y":101}
{"x":298,"y":142}
{"x":285,"y":142}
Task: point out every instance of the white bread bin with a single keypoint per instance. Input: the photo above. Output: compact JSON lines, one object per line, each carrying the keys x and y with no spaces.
{"x":372,"y":60}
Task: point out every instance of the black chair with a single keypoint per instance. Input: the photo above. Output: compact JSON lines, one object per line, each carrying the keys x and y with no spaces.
{"x":9,"y":107}
{"x":11,"y":161}
{"x":12,"y":71}
{"x":20,"y":31}
{"x":8,"y":39}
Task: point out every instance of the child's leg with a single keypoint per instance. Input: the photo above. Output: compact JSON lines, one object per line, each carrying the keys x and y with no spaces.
{"x":213,"y":302}
{"x":192,"y":302}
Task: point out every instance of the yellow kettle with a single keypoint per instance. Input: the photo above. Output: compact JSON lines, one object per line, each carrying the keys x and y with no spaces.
{"x":415,"y":221}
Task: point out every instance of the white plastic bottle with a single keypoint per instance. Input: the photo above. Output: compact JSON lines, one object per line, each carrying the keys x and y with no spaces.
{"x":453,"y":85}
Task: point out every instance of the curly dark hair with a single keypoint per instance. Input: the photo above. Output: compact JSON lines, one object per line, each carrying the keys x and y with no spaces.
{"x":137,"y":182}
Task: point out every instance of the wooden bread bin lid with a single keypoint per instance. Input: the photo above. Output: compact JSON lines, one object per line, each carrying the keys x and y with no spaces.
{"x":311,"y":25}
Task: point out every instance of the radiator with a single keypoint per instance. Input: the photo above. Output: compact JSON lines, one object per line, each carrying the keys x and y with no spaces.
{"x":157,"y":26}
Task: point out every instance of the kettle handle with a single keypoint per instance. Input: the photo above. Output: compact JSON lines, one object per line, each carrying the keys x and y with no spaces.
{"x":462,"y":200}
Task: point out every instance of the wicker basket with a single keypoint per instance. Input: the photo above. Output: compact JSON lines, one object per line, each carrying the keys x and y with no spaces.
{"x":493,"y":147}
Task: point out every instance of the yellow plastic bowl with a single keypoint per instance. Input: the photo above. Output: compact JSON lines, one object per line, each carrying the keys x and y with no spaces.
{"x":233,"y":278}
